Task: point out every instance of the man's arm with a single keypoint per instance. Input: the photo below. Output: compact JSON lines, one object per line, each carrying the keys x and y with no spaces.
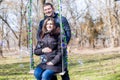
{"x":66,"y":29}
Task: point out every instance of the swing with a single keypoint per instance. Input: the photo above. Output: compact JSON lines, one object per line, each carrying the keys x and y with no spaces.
{"x":61,"y":34}
{"x":30,"y":38}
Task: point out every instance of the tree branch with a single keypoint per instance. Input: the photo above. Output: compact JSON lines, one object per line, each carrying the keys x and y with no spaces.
{"x":9,"y":26}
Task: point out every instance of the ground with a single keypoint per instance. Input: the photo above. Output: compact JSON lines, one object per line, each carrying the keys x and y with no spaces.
{"x":84,"y":64}
{"x":93,"y":51}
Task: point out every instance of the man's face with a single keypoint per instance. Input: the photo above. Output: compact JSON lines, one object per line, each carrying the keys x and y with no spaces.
{"x":48,"y":10}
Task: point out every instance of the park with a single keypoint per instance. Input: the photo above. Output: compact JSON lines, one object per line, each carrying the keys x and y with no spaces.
{"x":94,"y":47}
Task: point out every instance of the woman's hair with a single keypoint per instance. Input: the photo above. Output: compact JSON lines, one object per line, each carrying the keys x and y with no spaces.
{"x":44,"y":29}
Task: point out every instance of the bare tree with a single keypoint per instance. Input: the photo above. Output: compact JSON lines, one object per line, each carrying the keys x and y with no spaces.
{"x":1,"y":38}
{"x":41,"y":8}
{"x":84,"y":23}
{"x":1,"y":1}
{"x":8,"y":26}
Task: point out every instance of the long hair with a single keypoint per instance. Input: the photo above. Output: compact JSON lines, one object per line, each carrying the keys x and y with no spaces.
{"x":44,"y":29}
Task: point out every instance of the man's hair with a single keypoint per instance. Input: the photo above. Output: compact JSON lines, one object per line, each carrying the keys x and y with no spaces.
{"x":46,"y":4}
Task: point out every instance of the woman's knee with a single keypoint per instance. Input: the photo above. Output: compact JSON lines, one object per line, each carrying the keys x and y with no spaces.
{"x":37,"y":73}
{"x":47,"y":74}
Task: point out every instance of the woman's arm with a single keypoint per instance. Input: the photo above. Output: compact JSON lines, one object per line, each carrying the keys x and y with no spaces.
{"x":58,"y":57}
{"x":38,"y":48}
{"x":38,"y":51}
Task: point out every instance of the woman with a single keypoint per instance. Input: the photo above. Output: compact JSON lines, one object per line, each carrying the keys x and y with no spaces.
{"x":48,"y":48}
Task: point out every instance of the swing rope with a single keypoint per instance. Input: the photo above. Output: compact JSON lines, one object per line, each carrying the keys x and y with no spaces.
{"x":30,"y":35}
{"x":63,"y":37}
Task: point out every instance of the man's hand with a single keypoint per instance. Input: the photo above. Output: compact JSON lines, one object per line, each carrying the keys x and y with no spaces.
{"x":50,"y":63}
{"x":46,"y":50}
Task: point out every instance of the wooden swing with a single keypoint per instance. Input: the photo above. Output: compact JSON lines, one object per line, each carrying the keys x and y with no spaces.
{"x":30,"y":37}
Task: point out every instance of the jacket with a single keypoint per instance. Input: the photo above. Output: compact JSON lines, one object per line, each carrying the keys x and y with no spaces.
{"x":65,"y":23}
{"x":55,"y":56}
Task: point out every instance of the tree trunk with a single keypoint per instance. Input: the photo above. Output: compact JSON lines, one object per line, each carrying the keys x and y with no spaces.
{"x":41,"y":7}
{"x":1,"y":50}
{"x":1,"y":44}
{"x":21,"y":20}
{"x":9,"y":26}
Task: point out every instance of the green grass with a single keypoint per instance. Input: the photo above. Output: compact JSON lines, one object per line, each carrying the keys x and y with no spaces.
{"x":94,"y":67}
{"x":15,"y":71}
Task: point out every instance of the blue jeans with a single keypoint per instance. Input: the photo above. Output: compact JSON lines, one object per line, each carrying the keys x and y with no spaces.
{"x":41,"y":74}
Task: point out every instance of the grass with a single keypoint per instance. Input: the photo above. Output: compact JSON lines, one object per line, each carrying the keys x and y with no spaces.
{"x":81,"y":67}
{"x":96,"y":67}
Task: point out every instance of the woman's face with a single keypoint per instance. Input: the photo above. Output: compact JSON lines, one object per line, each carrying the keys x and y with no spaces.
{"x":49,"y":25}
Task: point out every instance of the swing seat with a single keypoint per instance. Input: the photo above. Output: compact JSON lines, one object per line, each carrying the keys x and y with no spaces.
{"x":31,"y":72}
{"x":61,"y":73}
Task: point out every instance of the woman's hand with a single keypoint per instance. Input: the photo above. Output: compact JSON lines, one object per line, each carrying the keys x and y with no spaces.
{"x":46,"y":50}
{"x":50,"y":63}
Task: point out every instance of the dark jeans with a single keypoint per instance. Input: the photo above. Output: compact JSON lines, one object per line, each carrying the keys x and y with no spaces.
{"x":64,"y":77}
{"x":41,"y":74}
{"x":54,"y":77}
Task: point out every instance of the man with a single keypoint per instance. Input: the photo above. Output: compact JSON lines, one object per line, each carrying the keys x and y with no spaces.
{"x":49,"y":12}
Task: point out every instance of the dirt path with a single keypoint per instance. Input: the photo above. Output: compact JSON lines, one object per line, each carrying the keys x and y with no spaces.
{"x":93,"y":51}
{"x":17,"y":53}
